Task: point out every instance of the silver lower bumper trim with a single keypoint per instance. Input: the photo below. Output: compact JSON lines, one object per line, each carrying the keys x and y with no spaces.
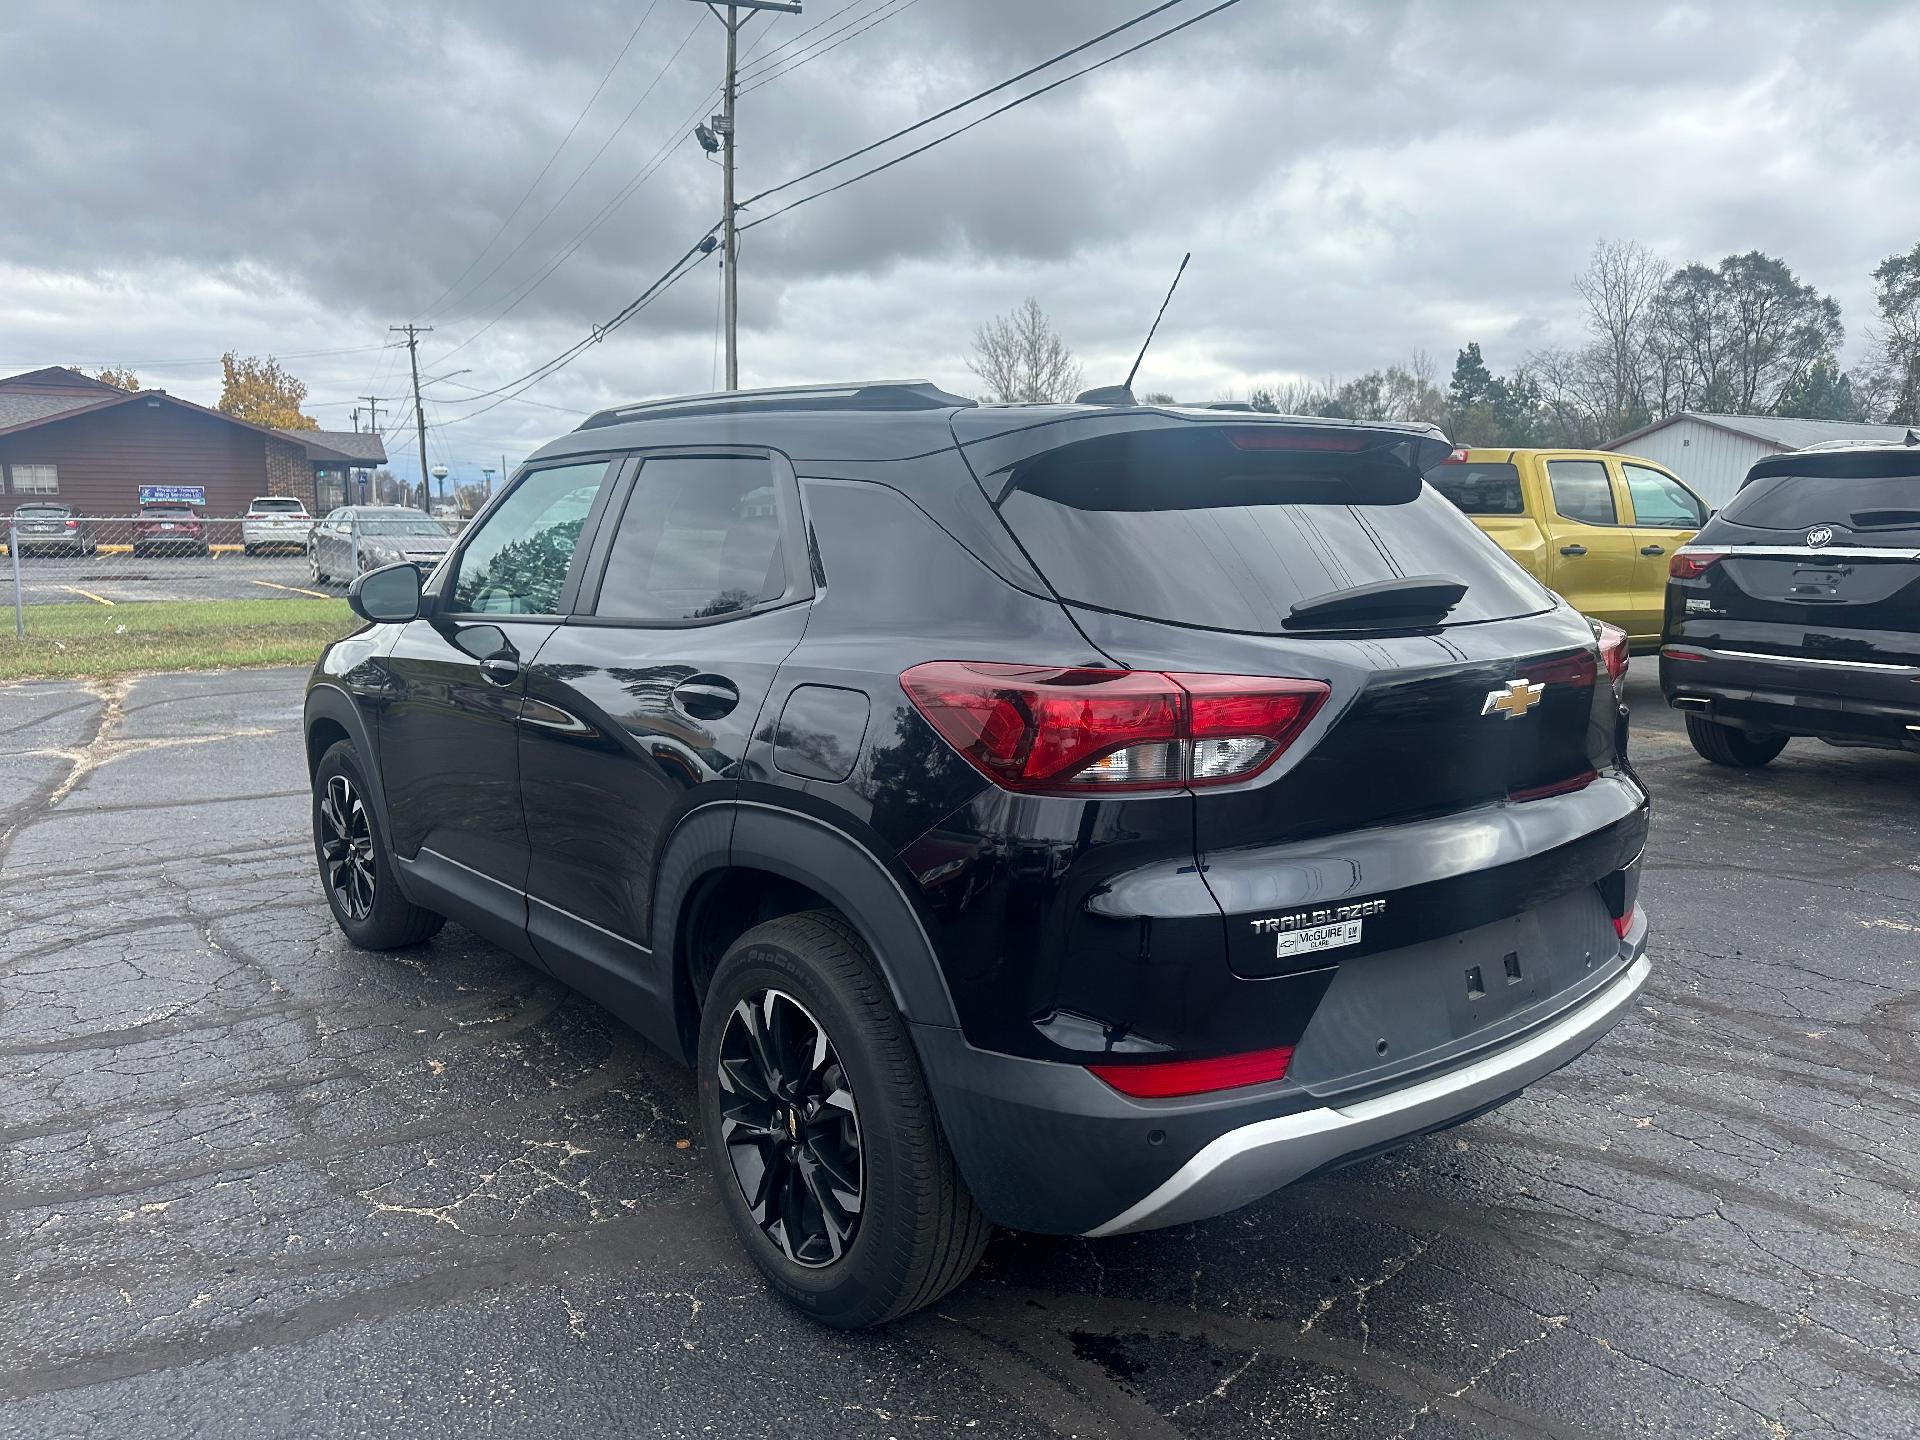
{"x":1255,"y":1160}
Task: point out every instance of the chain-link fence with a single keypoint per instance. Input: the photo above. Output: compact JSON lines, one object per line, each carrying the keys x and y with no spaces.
{"x":175,"y":573}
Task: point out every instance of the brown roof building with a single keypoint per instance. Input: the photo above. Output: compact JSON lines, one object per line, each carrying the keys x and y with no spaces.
{"x":92,"y":446}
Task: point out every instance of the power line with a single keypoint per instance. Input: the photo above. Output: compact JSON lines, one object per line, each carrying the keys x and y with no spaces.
{"x":672,"y":276}
{"x":973,"y":99}
{"x":571,"y":187}
{"x":541,"y":404}
{"x":676,"y":137}
{"x":764,"y":78}
{"x":675,"y":272}
{"x":999,"y":110}
{"x":770,"y":57}
{"x":546,"y":168}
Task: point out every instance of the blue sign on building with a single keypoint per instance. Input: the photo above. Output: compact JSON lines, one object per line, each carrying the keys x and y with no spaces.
{"x":173,"y":494}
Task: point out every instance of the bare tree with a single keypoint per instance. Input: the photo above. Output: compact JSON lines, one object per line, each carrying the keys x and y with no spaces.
{"x":1621,"y":285}
{"x":1891,"y":380}
{"x":1021,"y":358}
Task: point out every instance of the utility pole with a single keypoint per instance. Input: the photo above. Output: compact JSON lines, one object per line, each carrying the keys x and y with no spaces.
{"x":723,"y":126}
{"x":374,"y":407}
{"x":413,"y":333}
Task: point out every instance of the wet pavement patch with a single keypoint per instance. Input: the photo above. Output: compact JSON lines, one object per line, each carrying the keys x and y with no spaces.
{"x":253,"y":1181}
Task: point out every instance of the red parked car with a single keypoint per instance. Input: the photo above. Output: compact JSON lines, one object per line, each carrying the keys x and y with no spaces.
{"x":169,"y":528}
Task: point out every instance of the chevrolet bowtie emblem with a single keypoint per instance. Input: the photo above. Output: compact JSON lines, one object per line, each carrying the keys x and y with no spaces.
{"x":1519,"y":697}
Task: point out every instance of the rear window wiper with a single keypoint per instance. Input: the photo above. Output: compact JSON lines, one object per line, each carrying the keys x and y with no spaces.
{"x":1412,"y":600}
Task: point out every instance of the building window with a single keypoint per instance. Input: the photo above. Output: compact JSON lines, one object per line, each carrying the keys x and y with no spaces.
{"x":35,"y":479}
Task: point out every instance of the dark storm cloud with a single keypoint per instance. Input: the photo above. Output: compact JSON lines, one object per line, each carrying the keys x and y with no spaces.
{"x":1356,"y":181}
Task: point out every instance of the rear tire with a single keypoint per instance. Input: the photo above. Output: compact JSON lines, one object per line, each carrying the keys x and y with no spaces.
{"x":356,"y":868}
{"x":1725,"y":745}
{"x":916,"y":1232}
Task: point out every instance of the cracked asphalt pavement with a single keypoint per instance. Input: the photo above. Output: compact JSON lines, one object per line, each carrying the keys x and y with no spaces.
{"x":255,"y":1182}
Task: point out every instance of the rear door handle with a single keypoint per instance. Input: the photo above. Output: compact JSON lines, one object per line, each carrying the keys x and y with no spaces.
{"x":1573,"y":549}
{"x":500,"y":671}
{"x":706,"y":697}
{"x":1653,"y":549}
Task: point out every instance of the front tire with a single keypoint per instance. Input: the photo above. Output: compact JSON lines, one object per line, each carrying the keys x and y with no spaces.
{"x":823,"y":1140}
{"x":356,"y":868}
{"x":313,"y":565}
{"x":1725,"y":745}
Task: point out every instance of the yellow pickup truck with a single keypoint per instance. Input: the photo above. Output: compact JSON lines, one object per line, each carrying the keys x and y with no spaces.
{"x":1596,"y":526}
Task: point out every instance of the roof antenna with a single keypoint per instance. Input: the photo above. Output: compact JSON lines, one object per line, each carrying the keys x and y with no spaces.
{"x":1122,"y":394}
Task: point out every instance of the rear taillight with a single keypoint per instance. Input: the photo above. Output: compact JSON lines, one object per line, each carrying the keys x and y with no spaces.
{"x":73,"y":524}
{"x":1163,"y":1079}
{"x":1691,"y":562}
{"x":1043,"y":728}
{"x":1613,"y":649}
{"x":1623,"y":923}
{"x":1458,"y":457}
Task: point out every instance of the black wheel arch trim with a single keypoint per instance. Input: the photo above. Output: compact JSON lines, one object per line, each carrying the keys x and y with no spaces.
{"x":326,"y":700}
{"x":824,"y":857}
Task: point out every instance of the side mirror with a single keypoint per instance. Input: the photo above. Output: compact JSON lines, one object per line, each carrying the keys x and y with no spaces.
{"x":387,"y":596}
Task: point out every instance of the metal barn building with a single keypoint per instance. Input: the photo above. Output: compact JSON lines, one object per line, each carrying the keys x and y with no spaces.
{"x":1713,"y":452}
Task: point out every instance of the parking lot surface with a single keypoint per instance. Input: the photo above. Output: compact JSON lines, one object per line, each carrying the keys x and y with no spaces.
{"x":120,"y":578}
{"x":255,"y":1182}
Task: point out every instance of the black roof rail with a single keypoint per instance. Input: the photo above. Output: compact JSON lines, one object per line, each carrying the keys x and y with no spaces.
{"x":855,"y":395}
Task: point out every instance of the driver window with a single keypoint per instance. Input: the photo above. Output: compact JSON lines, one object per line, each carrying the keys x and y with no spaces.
{"x":517,"y":562}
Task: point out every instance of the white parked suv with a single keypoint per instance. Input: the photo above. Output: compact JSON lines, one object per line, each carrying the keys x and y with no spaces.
{"x":275,"y":522}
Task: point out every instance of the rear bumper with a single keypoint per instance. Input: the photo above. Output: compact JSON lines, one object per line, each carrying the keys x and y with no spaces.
{"x":1867,"y":701}
{"x":1249,"y":1162}
{"x":1047,"y":1147}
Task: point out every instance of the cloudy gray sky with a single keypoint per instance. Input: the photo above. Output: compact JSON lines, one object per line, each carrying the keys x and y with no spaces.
{"x":1356,"y":180}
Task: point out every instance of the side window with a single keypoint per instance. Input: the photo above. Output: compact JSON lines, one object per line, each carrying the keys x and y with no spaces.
{"x":517,"y":562}
{"x":1480,"y":489}
{"x":1582,"y":492}
{"x":1661,"y":500}
{"x":700,"y":537}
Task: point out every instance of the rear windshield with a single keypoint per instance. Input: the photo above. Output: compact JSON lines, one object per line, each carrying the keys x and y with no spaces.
{"x":167,"y":512}
{"x":281,"y":507}
{"x":1861,"y":492}
{"x":40,"y":510}
{"x":1182,"y":527}
{"x":1479,"y":488}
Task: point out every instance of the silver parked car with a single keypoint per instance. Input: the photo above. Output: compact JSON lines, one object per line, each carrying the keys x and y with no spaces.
{"x":275,"y":522}
{"x":357,"y":538}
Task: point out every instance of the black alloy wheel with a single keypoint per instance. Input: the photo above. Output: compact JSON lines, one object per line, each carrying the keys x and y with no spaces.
{"x":791,"y":1127}
{"x":346,"y":848}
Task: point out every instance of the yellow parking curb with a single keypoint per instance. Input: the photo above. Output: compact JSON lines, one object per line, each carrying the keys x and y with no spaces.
{"x":76,"y":590}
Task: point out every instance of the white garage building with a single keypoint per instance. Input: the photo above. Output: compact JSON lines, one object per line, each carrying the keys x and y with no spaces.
{"x":1712,"y":452}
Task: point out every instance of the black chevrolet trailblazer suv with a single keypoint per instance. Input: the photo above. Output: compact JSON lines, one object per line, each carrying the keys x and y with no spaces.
{"x":1076,"y":818}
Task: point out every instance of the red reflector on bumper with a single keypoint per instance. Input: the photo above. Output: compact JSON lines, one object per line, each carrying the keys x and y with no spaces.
{"x":1159,"y":1080}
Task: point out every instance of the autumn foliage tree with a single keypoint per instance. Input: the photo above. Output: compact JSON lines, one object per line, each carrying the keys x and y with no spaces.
{"x":121,"y":379}
{"x":259,"y":391}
